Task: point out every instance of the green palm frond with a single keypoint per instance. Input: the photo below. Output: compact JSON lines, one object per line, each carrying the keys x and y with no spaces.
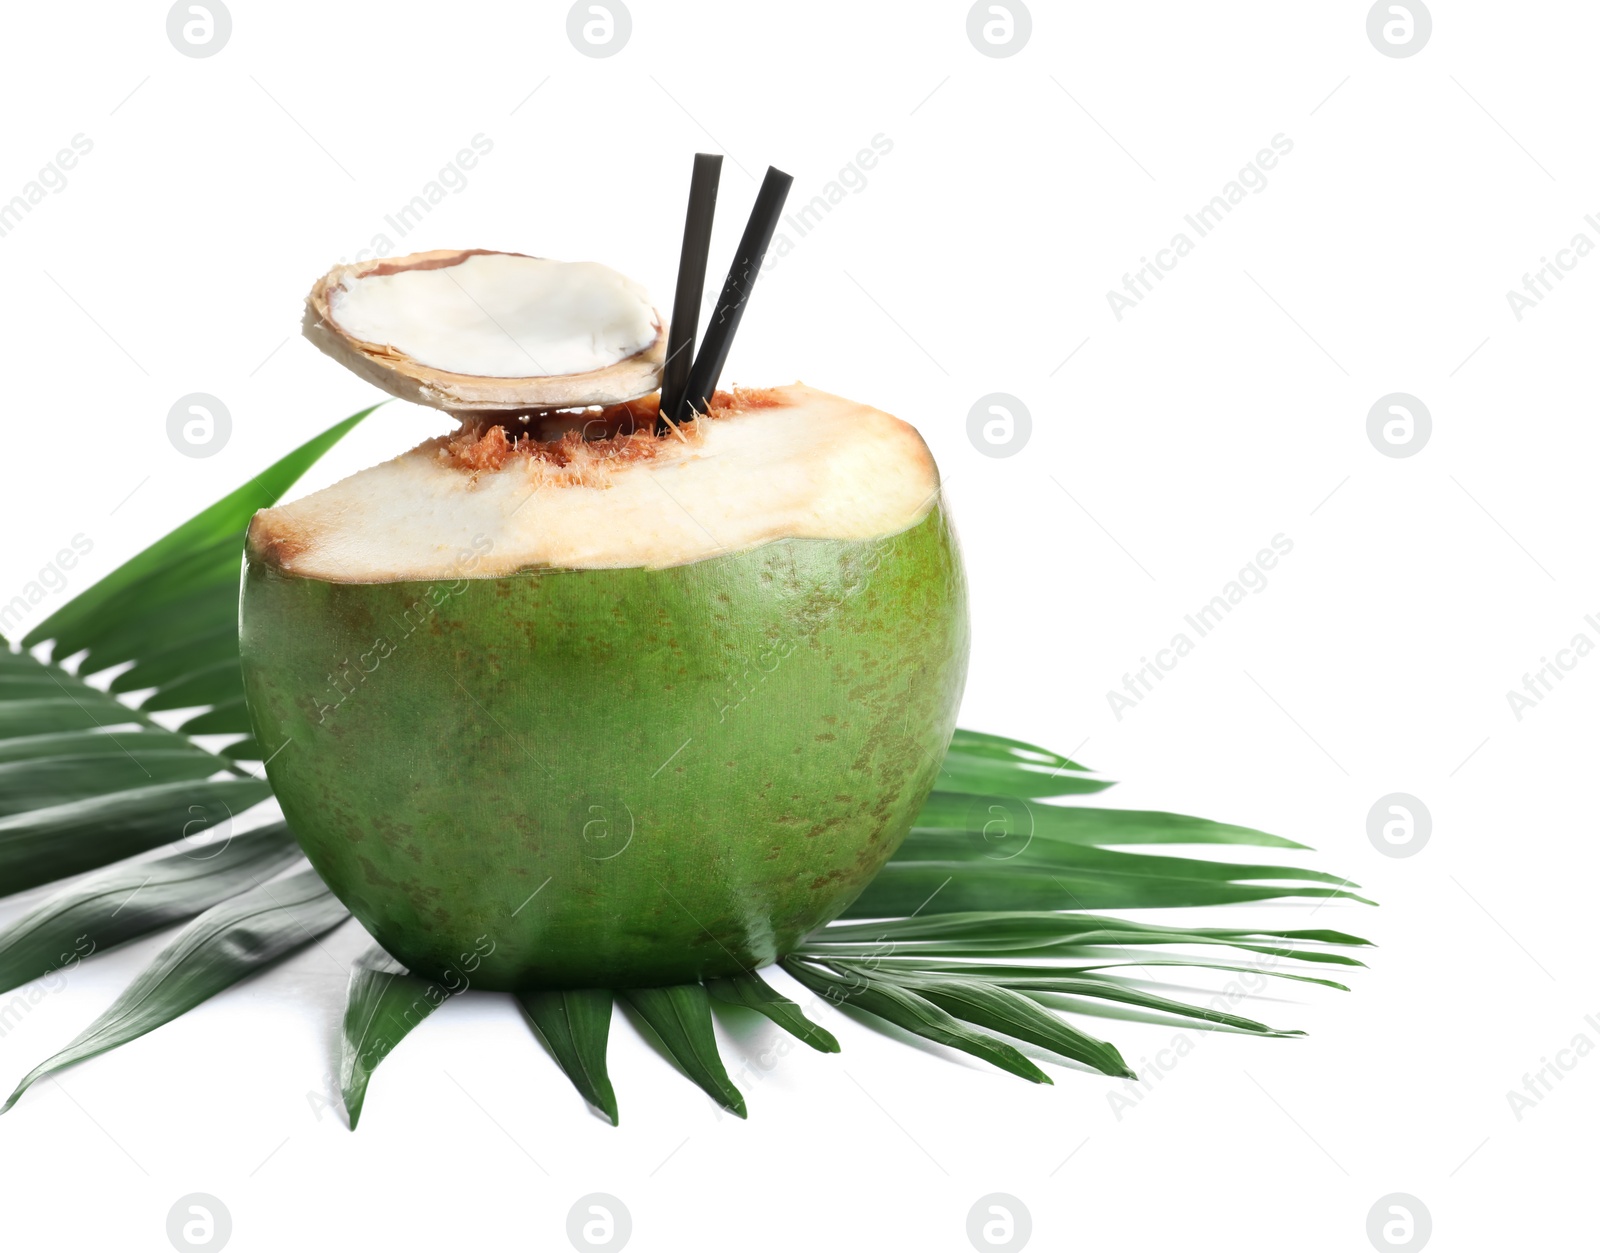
{"x":680,"y":1017}
{"x":173,"y":610}
{"x":127,"y":901}
{"x":576,"y":1026}
{"x":965,"y":938}
{"x":754,"y":992}
{"x":382,"y":1005}
{"x":219,"y":948}
{"x":904,"y":1006}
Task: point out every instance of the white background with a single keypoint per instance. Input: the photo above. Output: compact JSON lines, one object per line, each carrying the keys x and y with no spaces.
{"x":1228,"y":407}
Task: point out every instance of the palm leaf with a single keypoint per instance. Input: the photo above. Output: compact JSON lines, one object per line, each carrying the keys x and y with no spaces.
{"x":576,"y":1026}
{"x":64,"y":778}
{"x":50,"y":844}
{"x":997,"y":1007}
{"x":995,"y":766}
{"x":131,"y":900}
{"x":984,"y":970}
{"x":996,"y":826}
{"x":191,"y":653}
{"x":1043,"y":934}
{"x":1065,"y":876}
{"x":87,"y":778}
{"x":1042,"y":979}
{"x":754,"y":992}
{"x":899,"y":1004}
{"x":382,"y":1004}
{"x":225,"y":944}
{"x":681,"y":1019}
{"x":181,"y":569}
{"x":85,"y":781}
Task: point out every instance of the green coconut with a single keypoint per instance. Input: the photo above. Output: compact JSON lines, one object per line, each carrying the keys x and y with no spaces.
{"x":556,"y":702}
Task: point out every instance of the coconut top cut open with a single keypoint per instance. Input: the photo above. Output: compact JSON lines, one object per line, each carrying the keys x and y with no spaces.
{"x":476,"y":330}
{"x":601,"y":490}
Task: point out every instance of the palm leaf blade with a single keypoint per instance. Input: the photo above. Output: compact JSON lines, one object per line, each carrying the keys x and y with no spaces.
{"x":754,"y":992}
{"x":77,"y":624}
{"x":1110,"y":990}
{"x":382,"y":1004}
{"x":125,"y":902}
{"x":907,"y":1009}
{"x":208,"y":685}
{"x":903,"y":887}
{"x":996,"y":824}
{"x":96,"y":742}
{"x":1041,"y":933}
{"x":206,"y":609}
{"x":997,"y":971}
{"x":60,"y":780}
{"x":226,"y":717}
{"x":77,"y":711}
{"x":219,"y":948}
{"x":576,"y":1025}
{"x":996,"y":766}
{"x":162,"y":667}
{"x":998,"y":1008}
{"x":44,"y":845}
{"x":681,"y":1018}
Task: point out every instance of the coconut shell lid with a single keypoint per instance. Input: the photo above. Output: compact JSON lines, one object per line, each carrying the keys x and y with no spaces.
{"x":631,"y":375}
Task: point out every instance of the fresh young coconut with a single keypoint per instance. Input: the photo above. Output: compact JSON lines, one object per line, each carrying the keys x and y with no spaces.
{"x":555,"y":701}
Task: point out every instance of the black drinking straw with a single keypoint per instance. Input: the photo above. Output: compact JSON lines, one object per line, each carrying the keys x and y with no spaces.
{"x":691,"y":286}
{"x":753,"y":246}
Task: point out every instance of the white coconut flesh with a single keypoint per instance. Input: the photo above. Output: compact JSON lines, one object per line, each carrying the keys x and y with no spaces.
{"x":779,"y":463}
{"x":472,"y":330}
{"x":500,"y":315}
